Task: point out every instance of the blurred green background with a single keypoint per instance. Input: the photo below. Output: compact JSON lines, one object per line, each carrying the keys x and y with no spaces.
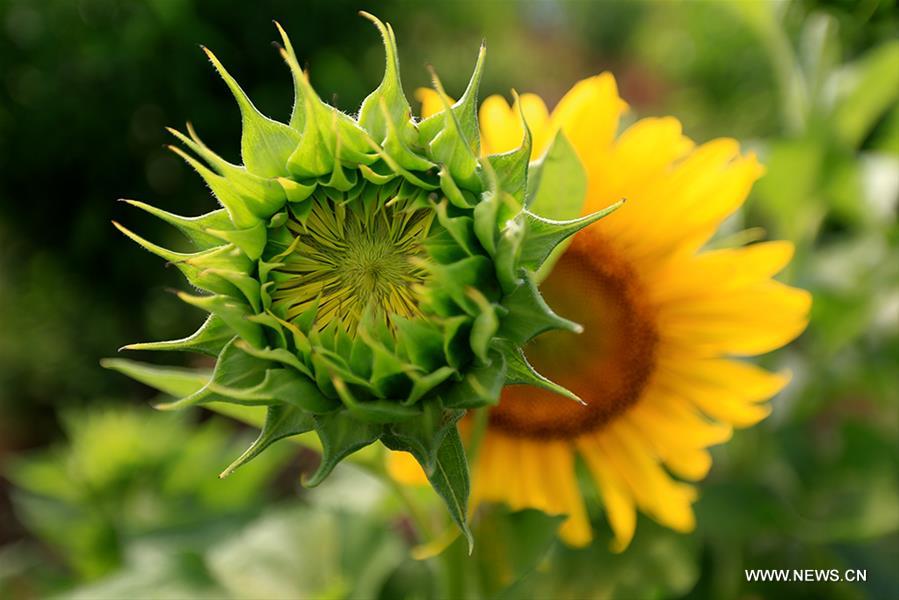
{"x":103,"y":497}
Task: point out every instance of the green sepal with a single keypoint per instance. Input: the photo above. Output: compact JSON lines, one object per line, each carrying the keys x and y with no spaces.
{"x":420,"y":341}
{"x":453,"y":135}
{"x":341,"y":179}
{"x":278,"y":386}
{"x":557,"y":182}
{"x":370,"y":174}
{"x":460,"y":228}
{"x":387,"y":104}
{"x":508,"y":252}
{"x":318,"y":151}
{"x":421,"y":184}
{"x":452,"y":192}
{"x":194,"y":266}
{"x":423,"y":436}
{"x":298,"y":112}
{"x":231,"y":312}
{"x":278,"y":220}
{"x":423,"y":384}
{"x":511,"y":168}
{"x":174,"y":381}
{"x":278,"y":355}
{"x":250,"y":240}
{"x":265,"y":145}
{"x":520,"y":371}
{"x":484,"y":327}
{"x":281,"y":421}
{"x":373,"y":411}
{"x":452,"y":282}
{"x":238,"y":206}
{"x":396,"y":145}
{"x":480,"y":386}
{"x":209,"y":339}
{"x":456,"y":344}
{"x":296,"y":191}
{"x":529,"y":315}
{"x":340,"y":435}
{"x":542,"y":235}
{"x":247,"y":285}
{"x":456,"y":145}
{"x":234,"y":369}
{"x":262,"y":195}
{"x":452,"y":481}
{"x":194,"y":228}
{"x":491,"y":215}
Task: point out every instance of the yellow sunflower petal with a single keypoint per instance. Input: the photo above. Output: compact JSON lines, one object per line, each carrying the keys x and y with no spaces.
{"x":500,"y":126}
{"x":704,"y":190}
{"x":724,"y":378}
{"x":491,"y":471}
{"x":522,"y":474}
{"x":560,"y":478}
{"x":430,"y":102}
{"x":729,"y":269}
{"x":687,"y":461}
{"x":501,"y":129}
{"x":618,"y":502}
{"x":589,"y":115}
{"x":667,"y":501}
{"x":403,"y":467}
{"x":537,"y":117}
{"x":745,"y":322}
{"x":671,"y":425}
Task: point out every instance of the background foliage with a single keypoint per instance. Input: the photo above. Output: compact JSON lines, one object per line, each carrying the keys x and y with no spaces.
{"x":104,"y":497}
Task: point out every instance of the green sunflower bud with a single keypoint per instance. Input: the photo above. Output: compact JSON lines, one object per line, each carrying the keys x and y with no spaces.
{"x":367,"y":278}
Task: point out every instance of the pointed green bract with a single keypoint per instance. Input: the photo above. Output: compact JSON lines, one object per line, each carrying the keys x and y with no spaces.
{"x":367,"y":278}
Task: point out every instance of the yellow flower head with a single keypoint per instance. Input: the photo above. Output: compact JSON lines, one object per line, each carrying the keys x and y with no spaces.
{"x":663,"y":322}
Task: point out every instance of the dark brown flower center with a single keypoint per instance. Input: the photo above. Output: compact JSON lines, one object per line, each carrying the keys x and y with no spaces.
{"x":607,"y":365}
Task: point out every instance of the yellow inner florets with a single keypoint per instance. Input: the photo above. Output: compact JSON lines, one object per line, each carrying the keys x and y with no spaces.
{"x":351,"y":257}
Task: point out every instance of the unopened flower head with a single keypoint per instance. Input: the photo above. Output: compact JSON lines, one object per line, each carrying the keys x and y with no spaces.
{"x":370,"y":277}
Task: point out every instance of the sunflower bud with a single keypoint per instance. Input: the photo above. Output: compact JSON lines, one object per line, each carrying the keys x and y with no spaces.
{"x":366,"y":278}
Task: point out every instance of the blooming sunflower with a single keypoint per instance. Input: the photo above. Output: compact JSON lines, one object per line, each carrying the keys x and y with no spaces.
{"x":664,"y":321}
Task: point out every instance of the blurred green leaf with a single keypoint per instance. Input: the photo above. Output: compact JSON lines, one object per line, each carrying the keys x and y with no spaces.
{"x":872,"y":88}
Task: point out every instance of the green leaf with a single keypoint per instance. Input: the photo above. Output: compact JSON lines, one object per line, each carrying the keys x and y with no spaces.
{"x":450,"y":479}
{"x":557,"y":184}
{"x":519,"y":541}
{"x":173,"y":381}
{"x":340,"y":435}
{"x":281,"y":421}
{"x":875,"y":89}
